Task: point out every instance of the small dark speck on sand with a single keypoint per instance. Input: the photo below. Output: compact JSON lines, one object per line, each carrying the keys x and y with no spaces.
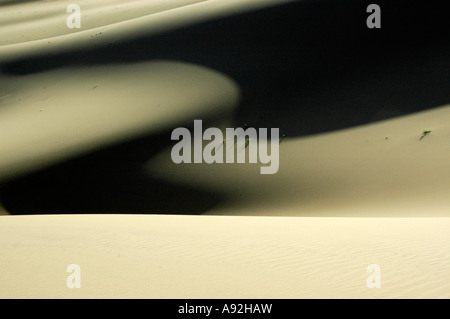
{"x":424,"y":133}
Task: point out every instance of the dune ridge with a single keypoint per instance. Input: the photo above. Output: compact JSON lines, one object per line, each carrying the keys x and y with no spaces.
{"x":66,"y":117}
{"x":162,"y":18}
{"x":381,"y":170}
{"x":44,"y":20}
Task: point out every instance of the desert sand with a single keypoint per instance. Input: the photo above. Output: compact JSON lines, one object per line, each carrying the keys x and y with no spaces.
{"x":110,"y":116}
{"x":3,"y":210}
{"x":135,"y":256}
{"x":38,"y":28}
{"x":373,"y":193}
{"x":375,"y":170}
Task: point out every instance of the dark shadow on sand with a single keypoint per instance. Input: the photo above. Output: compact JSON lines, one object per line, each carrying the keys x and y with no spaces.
{"x":4,"y":3}
{"x":308,"y":67}
{"x":109,"y":181}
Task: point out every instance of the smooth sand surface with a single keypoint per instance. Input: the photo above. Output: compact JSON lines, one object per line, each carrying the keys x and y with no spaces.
{"x":379,"y":170}
{"x":341,"y":201}
{"x":136,"y":256}
{"x":46,"y":118}
{"x":39,"y":20}
{"x":39,"y":28}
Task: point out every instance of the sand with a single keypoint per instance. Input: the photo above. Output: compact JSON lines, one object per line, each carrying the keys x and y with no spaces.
{"x":370,"y":194}
{"x":3,"y":210}
{"x":135,"y":256}
{"x":89,"y":110}
{"x":378,"y":170}
{"x":42,"y":29}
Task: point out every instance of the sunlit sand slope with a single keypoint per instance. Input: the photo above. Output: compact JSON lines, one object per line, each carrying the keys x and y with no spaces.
{"x":48,"y":117}
{"x":384,"y":169}
{"x":224,"y":257}
{"x":39,"y":28}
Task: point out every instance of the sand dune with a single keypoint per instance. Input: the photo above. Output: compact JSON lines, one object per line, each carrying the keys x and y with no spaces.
{"x":3,"y":210}
{"x":43,"y":20}
{"x":106,"y":23}
{"x":132,"y":256}
{"x":384,"y":170}
{"x":69,"y":116}
{"x":344,"y":199}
